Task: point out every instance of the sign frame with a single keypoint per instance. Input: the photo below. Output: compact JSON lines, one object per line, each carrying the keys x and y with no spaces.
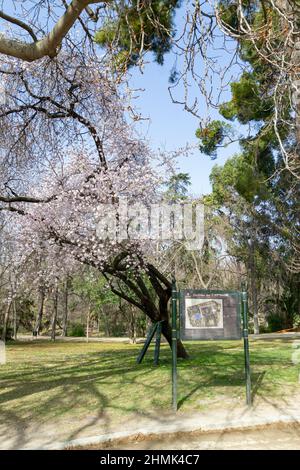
{"x":210,"y":333}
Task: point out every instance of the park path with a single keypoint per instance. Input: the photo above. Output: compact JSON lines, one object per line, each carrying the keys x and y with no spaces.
{"x":72,"y":339}
{"x":123,"y":339}
{"x":267,"y":424}
{"x":272,"y":437}
{"x":229,"y":424}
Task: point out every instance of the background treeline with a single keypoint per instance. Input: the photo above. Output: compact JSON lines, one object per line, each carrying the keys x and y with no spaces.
{"x":239,"y":247}
{"x":252,"y":213}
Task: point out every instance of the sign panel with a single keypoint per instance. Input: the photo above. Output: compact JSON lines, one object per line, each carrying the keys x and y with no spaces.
{"x":210,"y":315}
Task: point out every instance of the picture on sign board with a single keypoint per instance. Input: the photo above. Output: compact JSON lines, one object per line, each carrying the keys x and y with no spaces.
{"x":203,"y":313}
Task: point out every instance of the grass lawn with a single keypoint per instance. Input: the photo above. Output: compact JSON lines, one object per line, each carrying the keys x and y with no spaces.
{"x":44,"y":380}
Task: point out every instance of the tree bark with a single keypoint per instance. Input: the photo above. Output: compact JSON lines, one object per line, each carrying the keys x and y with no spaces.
{"x":167,"y":332}
{"x":103,"y":314}
{"x":15,"y":319}
{"x":166,"y":327}
{"x":88,"y":323}
{"x":65,"y":310}
{"x":253,"y":278}
{"x":54,"y":316}
{"x":132,"y":325}
{"x":152,"y":302}
{"x":38,"y":322}
{"x":5,"y":321}
{"x":50,"y":44}
{"x":291,"y":14}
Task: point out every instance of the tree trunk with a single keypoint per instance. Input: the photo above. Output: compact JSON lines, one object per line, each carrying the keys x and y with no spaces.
{"x":54,"y":317}
{"x":144,"y":300}
{"x":38,"y":322}
{"x":292,"y":13}
{"x":253,"y":278}
{"x":167,"y":332}
{"x":5,"y":321}
{"x":166,"y":327}
{"x":106,"y":325}
{"x":88,"y":323}
{"x":132,"y":325}
{"x":296,"y":85}
{"x":15,"y":319}
{"x":65,"y":310}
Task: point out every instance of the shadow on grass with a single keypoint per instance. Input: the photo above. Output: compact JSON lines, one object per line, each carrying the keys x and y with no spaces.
{"x":235,"y":379}
{"x":256,"y":384}
{"x":86,"y":383}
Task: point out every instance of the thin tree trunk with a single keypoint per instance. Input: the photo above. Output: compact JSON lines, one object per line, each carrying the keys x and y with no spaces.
{"x":106,"y":323}
{"x":38,"y":322}
{"x":254,"y":286}
{"x":65,"y":310}
{"x":88,"y":323}
{"x":5,"y":320}
{"x":15,"y":319}
{"x":132,"y":325}
{"x":98,"y":324}
{"x":54,"y":317}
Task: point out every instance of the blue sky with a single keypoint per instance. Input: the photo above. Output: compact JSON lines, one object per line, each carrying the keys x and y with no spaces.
{"x":170,"y":127}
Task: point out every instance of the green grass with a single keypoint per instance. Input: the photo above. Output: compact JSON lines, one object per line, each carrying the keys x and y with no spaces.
{"x":44,"y":380}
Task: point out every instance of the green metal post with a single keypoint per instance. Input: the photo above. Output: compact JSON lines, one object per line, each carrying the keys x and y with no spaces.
{"x":174,"y":345}
{"x":246,"y":346}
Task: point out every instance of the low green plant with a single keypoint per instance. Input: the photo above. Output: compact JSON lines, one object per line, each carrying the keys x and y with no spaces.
{"x":9,"y":333}
{"x":76,"y":329}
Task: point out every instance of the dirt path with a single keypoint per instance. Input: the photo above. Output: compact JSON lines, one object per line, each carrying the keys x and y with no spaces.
{"x":73,"y":339}
{"x":96,"y":339}
{"x":282,"y":437}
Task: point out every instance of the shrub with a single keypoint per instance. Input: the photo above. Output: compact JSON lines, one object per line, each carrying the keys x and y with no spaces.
{"x":276,"y":322}
{"x":76,"y":329}
{"x":9,"y":333}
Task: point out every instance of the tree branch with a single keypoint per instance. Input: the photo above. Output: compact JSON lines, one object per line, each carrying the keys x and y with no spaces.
{"x":20,"y":23}
{"x":122,"y":294}
{"x":49,"y":45}
{"x":12,"y":209}
{"x":30,"y":199}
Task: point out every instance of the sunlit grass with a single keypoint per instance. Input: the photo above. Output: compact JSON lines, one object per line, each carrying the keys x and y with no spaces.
{"x":43,"y":380}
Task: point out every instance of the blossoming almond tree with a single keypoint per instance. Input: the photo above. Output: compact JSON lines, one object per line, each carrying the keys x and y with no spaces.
{"x":69,"y":157}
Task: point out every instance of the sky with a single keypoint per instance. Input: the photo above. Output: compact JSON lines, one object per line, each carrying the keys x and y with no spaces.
{"x":170,"y":127}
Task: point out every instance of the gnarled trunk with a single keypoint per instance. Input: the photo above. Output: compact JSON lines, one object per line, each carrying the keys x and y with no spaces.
{"x":166,"y":327}
{"x":136,"y":291}
{"x":167,"y":332}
